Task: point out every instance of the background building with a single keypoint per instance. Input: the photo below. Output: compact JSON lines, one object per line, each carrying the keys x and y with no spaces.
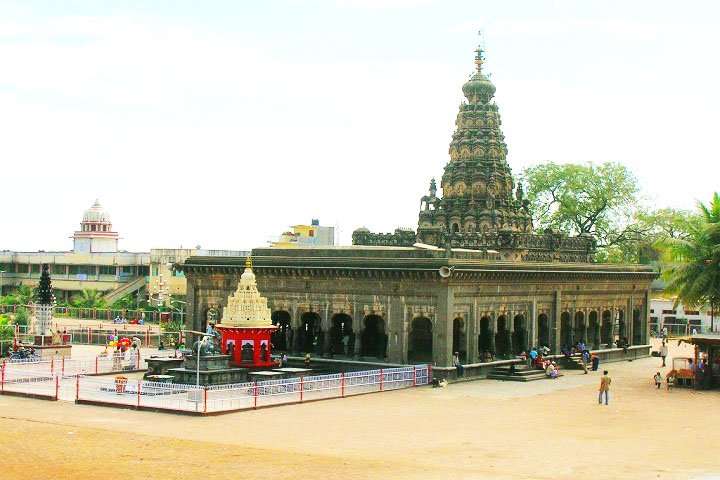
{"x":313,"y":235}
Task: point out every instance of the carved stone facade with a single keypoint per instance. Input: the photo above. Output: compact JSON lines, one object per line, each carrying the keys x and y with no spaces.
{"x":393,"y":303}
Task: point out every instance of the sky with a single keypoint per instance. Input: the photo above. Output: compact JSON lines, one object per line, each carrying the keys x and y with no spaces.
{"x":222,"y":123}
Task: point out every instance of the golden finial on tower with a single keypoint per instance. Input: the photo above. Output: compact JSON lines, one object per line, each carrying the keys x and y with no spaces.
{"x":248,"y":262}
{"x":479,"y":59}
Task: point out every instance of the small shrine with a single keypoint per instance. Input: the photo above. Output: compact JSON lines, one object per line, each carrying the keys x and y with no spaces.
{"x":246,"y":325}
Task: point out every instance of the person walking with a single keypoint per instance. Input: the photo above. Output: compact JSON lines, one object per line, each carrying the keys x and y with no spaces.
{"x":663,"y":351}
{"x":604,"y":387}
{"x":585,"y":360}
{"x":658,"y":380}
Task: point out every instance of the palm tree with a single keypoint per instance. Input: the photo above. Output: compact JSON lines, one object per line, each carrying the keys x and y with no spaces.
{"x":23,"y":295}
{"x":88,"y":299}
{"x":695,"y":275}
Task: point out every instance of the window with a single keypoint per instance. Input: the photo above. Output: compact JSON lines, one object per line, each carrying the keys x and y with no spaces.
{"x":311,"y":233}
{"x":669,"y":312}
{"x":109,"y":270}
{"x":155,"y":270}
{"x":143,"y":271}
{"x":692,"y":312}
{"x":178,"y":273}
{"x":652,"y":310}
{"x":126,"y":271}
{"x":59,"y":269}
{"x":35,"y":268}
{"x":73,"y":269}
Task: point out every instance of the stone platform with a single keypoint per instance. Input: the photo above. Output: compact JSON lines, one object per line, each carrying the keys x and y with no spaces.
{"x":161,"y":366}
{"x":214,"y":370}
{"x":48,"y":351}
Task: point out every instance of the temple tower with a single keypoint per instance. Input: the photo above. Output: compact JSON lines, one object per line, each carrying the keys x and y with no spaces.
{"x":479,"y":195}
{"x":95,"y":234}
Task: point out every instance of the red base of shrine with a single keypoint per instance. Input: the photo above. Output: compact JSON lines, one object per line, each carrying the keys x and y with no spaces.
{"x":248,"y":347}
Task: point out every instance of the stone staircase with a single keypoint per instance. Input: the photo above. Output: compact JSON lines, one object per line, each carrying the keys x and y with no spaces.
{"x":522,"y":374}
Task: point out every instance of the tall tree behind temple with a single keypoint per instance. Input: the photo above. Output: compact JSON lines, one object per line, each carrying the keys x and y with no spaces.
{"x":45,"y":291}
{"x":694,"y":274}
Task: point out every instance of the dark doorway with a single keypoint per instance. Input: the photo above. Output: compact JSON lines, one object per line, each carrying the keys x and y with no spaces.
{"x":341,"y":334}
{"x":459,"y":338}
{"x":372,"y":342}
{"x":279,"y":337}
{"x":309,"y":323}
{"x":485,"y":336}
{"x":503,"y":343}
{"x":520,"y":336}
{"x":606,"y":329}
{"x":593,"y":330}
{"x":580,"y":329}
{"x":621,"y":330}
{"x":637,"y":328}
{"x":566,"y":330}
{"x":543,"y":330}
{"x":420,"y":340}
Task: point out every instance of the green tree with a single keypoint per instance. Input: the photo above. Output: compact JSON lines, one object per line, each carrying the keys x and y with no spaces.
{"x":597,"y":199}
{"x":22,"y":295}
{"x":694,"y":271}
{"x":22,"y":316}
{"x":125,"y":302}
{"x":88,"y":299}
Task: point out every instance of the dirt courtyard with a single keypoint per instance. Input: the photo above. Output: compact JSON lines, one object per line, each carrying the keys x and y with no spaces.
{"x":479,"y":429}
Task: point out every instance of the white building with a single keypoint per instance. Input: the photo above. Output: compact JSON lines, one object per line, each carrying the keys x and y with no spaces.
{"x":679,"y":320}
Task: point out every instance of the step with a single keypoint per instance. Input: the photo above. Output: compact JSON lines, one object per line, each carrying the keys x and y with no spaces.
{"x":517,"y":378}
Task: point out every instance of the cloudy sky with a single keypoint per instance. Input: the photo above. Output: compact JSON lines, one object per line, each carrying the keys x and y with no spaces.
{"x":221,"y":123}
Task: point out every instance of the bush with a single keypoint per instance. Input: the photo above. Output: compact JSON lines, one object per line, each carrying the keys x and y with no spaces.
{"x":22,"y":317}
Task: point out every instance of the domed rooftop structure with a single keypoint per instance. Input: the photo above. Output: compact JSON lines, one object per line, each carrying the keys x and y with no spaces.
{"x":246,"y":308}
{"x":95,"y":234}
{"x":96,"y":213}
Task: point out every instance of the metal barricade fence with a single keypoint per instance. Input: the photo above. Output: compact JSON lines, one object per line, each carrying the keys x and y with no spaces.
{"x":68,"y":381}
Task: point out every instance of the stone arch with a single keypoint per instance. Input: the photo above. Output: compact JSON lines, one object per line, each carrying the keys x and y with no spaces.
{"x":485,"y":336}
{"x":459,"y":337}
{"x":280,"y":338}
{"x":341,"y":326}
{"x":566,"y":330}
{"x":606,"y":328}
{"x":520,"y":335}
{"x":420,"y":345}
{"x":309,"y":324}
{"x":503,"y":341}
{"x":372,"y":340}
{"x":580,"y":332}
{"x":593,"y":331}
{"x":637,"y":328}
{"x":543,"y":330}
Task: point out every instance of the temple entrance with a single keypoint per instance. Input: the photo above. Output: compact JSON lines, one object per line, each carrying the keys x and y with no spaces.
{"x":459,"y":338}
{"x":341,"y":334}
{"x":485,"y":336}
{"x":543,"y":330}
{"x":520,"y":342}
{"x":606,"y":329}
{"x":309,"y":322}
{"x":420,"y":345}
{"x":637,"y":328}
{"x":372,"y":340}
{"x":566,"y":330}
{"x":621,"y":330}
{"x":280,"y":337}
{"x":503,"y":342}
{"x":580,"y":332}
{"x":593,"y":330}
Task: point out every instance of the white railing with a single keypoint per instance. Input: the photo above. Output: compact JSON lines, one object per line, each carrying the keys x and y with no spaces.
{"x":69,"y":381}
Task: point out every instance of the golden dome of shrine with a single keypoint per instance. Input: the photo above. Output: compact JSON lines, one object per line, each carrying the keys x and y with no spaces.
{"x":246,"y":308}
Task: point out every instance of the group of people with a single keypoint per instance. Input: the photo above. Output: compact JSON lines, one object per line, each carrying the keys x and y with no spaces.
{"x":124,"y":353}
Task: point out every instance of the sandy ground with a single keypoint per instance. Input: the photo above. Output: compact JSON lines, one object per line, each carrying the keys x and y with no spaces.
{"x":481,"y":429}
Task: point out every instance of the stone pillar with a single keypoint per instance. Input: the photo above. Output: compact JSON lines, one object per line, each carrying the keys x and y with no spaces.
{"x":493,"y":332}
{"x":555,"y":323}
{"x":471,"y":335}
{"x":191,"y":307}
{"x":395,"y":319}
{"x":532,"y":324}
{"x":586,"y":322}
{"x":598,"y":333}
{"x":443,"y":327}
{"x":357,"y":331}
{"x":509,"y":331}
{"x":629,"y":325}
{"x":326,"y":346}
{"x":645,"y":319}
{"x":295,"y":333}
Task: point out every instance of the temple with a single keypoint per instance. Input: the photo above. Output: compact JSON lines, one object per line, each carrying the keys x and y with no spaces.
{"x":474,"y":278}
{"x":246,"y":325}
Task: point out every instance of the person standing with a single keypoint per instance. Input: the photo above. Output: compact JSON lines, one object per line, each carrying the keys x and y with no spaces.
{"x":658,"y":380}
{"x":585,"y":360}
{"x":663,"y":351}
{"x":604,"y":387}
